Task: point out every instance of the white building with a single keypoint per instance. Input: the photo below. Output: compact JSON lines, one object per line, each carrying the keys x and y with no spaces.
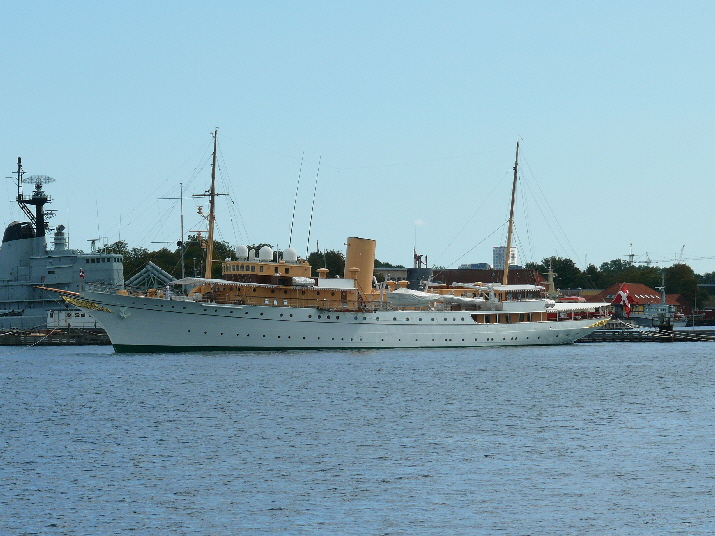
{"x":498,"y":257}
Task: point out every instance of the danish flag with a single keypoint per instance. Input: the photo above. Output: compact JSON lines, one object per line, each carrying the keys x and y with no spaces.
{"x":625,"y":299}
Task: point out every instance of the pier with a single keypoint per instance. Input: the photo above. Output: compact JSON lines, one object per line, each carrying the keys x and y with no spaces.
{"x":638,"y":335}
{"x":54,"y":337}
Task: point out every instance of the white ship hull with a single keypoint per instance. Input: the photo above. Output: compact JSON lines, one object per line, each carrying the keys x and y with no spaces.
{"x":136,"y":324}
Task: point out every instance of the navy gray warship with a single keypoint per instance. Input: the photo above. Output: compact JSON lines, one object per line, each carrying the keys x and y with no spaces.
{"x":27,"y":263}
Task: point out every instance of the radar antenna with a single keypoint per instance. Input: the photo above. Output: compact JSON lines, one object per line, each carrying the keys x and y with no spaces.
{"x":38,"y":199}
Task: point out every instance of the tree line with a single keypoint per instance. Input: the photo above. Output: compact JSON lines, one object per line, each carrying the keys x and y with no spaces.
{"x":679,"y":278}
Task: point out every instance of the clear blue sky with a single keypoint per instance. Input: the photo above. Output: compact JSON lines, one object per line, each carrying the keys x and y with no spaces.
{"x":412,"y":108}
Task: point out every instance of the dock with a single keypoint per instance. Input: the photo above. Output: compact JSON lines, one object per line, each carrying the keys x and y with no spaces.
{"x":54,"y":337}
{"x":639,"y":335}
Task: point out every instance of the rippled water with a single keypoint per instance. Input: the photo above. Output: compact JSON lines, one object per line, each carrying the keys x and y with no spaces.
{"x":582,"y":439}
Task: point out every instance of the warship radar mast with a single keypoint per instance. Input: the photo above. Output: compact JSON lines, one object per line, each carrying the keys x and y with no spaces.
{"x":38,"y":199}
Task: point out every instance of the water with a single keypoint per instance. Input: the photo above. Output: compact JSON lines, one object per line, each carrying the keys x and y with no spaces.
{"x":581,"y":439}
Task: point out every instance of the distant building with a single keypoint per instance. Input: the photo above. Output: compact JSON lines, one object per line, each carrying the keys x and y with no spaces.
{"x":642,"y":296}
{"x":499,"y":253}
{"x":520,"y":276}
{"x":475,"y":266}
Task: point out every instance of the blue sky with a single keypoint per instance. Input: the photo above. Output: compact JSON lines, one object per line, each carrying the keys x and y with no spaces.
{"x":412,"y":109}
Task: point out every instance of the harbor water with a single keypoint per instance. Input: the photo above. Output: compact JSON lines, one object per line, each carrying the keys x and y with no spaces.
{"x":611,"y":438}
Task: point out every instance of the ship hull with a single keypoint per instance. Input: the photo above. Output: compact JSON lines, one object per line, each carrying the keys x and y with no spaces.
{"x":136,"y":324}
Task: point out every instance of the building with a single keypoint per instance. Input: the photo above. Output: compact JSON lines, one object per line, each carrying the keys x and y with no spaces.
{"x":643,"y":297}
{"x":517,"y":276}
{"x":476,"y":266}
{"x":499,"y":253}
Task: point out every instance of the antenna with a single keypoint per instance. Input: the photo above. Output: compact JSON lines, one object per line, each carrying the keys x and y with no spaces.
{"x":295,"y":201}
{"x":38,"y":199}
{"x":310,"y":225}
{"x":181,"y":242}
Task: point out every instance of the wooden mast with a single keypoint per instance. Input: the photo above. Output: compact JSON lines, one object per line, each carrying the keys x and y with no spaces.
{"x":212,"y":213}
{"x":507,"y":253}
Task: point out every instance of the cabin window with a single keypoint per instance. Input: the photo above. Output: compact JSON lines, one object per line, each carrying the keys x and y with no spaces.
{"x":487,"y":319}
{"x":253,"y":268}
{"x":275,"y":269}
{"x":260,"y":268}
{"x":86,"y":261}
{"x":50,"y":271}
{"x":287,"y":271}
{"x":521,"y":317}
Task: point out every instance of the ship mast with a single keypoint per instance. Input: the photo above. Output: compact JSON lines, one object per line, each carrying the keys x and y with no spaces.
{"x":212,"y":213}
{"x":507,"y":253}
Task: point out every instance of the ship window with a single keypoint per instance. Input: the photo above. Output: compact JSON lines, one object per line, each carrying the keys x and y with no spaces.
{"x":287,"y":271}
{"x":260,"y":268}
{"x":86,"y":261}
{"x":487,"y":319}
{"x":275,"y":269}
{"x":50,"y":271}
{"x":253,"y":268}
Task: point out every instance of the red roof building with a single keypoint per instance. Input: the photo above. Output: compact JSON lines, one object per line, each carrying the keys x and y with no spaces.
{"x":642,"y":295}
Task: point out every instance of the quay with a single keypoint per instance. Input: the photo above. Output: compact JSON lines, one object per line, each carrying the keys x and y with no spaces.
{"x":54,"y":337}
{"x":638,"y":335}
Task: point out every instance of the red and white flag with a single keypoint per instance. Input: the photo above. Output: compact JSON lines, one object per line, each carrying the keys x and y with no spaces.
{"x":81,"y":273}
{"x":625,"y":299}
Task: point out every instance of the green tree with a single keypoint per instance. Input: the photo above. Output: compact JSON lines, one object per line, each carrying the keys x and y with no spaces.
{"x":680,"y":279}
{"x":331,"y":259}
{"x":567,"y":274}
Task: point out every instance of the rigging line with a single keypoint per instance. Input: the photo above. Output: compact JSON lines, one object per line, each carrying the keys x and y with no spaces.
{"x":140,"y":209}
{"x":234,"y":208}
{"x":546,"y":199}
{"x":479,"y":243}
{"x":312,"y":208}
{"x":546,"y":219}
{"x":226,"y":186}
{"x":295,"y":200}
{"x":499,"y":182}
{"x":527,"y":222}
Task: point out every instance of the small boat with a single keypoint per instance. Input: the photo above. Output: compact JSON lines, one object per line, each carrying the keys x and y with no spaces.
{"x":268,"y":300}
